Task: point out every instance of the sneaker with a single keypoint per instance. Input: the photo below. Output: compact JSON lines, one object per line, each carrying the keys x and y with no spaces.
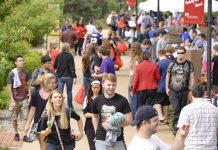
{"x":26,"y":139}
{"x":17,"y":137}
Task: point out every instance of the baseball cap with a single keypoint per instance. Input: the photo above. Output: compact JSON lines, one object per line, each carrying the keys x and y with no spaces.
{"x":45,"y":58}
{"x":145,"y":112}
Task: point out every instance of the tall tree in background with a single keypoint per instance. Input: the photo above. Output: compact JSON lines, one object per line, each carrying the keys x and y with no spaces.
{"x":88,"y":9}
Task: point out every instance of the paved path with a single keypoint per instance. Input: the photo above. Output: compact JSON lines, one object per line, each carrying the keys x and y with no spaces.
{"x":163,"y":130}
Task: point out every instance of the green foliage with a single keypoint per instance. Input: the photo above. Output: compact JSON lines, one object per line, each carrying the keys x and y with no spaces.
{"x":5,"y":67}
{"x":4,"y":98}
{"x":4,"y":148}
{"x":23,"y":22}
{"x":7,"y":6}
{"x":32,"y":61}
{"x":34,"y":16}
{"x":93,"y":9}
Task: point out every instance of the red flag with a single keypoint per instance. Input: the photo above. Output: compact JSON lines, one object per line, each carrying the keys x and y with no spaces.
{"x":194,"y":11}
{"x":130,"y":3}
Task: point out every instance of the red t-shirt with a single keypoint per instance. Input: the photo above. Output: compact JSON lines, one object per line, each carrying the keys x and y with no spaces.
{"x":53,"y":53}
{"x":80,"y":31}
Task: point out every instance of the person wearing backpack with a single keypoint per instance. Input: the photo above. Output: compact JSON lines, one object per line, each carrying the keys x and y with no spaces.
{"x":179,"y":79}
{"x":114,"y":21}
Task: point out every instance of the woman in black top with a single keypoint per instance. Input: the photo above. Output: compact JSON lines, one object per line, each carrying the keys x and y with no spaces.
{"x":90,"y":60}
{"x":56,"y":124}
{"x":38,"y":103}
{"x":93,"y":91}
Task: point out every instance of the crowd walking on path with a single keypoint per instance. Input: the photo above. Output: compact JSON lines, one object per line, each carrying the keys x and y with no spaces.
{"x":160,"y":75}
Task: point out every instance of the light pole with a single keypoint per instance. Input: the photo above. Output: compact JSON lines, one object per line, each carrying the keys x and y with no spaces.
{"x":158,"y":12}
{"x":136,"y":10}
{"x":209,"y":29}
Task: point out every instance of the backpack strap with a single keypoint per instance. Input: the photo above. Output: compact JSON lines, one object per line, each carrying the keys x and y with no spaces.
{"x":174,"y":62}
{"x":59,"y":136}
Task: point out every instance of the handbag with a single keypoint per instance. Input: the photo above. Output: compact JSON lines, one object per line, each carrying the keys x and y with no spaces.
{"x":33,"y":131}
{"x":79,"y":95}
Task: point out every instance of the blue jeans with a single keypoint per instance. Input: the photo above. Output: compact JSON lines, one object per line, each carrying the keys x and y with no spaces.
{"x":86,"y":82}
{"x":105,"y":145}
{"x":120,"y":32}
{"x":133,"y":102}
{"x":58,"y":147}
{"x":69,"y":85}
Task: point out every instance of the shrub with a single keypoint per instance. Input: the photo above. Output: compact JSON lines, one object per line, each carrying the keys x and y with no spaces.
{"x":4,"y":98}
{"x":32,"y":61}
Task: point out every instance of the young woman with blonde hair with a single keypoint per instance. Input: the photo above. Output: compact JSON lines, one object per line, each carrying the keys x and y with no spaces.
{"x":37,"y":106}
{"x":55,"y":124}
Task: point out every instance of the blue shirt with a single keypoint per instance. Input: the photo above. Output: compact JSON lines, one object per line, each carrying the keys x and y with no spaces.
{"x":151,"y":33}
{"x":107,"y":66}
{"x":162,"y":66}
{"x":184,"y":36}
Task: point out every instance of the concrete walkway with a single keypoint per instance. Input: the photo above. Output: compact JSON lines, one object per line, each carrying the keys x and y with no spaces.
{"x":163,"y":130}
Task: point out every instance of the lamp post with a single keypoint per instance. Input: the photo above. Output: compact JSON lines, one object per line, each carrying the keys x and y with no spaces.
{"x":136,"y":10}
{"x":158,"y":12}
{"x":209,"y":29}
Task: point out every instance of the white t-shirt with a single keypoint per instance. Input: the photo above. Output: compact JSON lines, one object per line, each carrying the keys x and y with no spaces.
{"x":154,"y":143}
{"x":90,"y":28}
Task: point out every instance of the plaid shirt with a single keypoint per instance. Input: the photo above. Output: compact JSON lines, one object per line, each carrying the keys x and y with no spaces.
{"x":203,"y":120}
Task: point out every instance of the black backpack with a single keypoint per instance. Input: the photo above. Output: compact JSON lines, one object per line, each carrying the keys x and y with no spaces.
{"x":113,"y":21}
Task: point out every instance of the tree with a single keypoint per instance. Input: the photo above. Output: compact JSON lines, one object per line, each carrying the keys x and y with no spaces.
{"x":94,"y":9}
{"x":22,"y":22}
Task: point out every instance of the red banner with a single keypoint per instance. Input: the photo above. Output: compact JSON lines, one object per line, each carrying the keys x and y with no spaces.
{"x":194,"y":11}
{"x":130,"y":3}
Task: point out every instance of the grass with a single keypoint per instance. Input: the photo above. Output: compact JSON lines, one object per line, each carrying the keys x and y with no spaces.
{"x":170,"y":118}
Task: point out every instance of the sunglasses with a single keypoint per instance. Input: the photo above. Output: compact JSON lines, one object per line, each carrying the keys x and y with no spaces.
{"x":180,"y":52}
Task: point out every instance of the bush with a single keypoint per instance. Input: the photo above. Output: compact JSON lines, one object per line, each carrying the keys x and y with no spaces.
{"x":4,"y":98}
{"x":32,"y":61}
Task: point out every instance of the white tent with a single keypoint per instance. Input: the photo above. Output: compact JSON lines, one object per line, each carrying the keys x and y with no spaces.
{"x":172,"y":5}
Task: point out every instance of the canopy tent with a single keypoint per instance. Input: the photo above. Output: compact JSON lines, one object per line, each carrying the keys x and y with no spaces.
{"x":172,"y":5}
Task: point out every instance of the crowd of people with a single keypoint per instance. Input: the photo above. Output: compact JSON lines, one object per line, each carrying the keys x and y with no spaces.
{"x":159,"y":76}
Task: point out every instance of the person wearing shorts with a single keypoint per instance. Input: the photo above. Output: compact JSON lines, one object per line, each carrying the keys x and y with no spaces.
{"x":162,"y":100}
{"x":17,"y":80}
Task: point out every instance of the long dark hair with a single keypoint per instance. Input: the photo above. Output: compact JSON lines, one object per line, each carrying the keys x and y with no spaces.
{"x":89,"y":92}
{"x":91,"y":49}
{"x":77,"y":23}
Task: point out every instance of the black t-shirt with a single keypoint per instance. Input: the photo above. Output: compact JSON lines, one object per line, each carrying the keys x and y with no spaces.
{"x":94,"y":61}
{"x":38,"y":102}
{"x":88,"y":109}
{"x":180,"y":75}
{"x":215,"y":70}
{"x":52,"y":138}
{"x":117,"y":103}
